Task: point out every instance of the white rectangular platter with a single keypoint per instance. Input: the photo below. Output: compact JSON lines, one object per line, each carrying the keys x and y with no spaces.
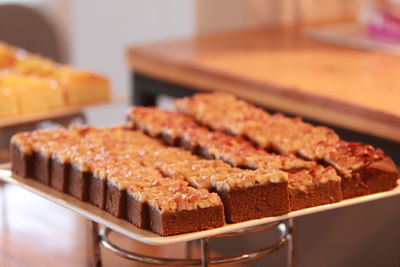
{"x":126,"y":228}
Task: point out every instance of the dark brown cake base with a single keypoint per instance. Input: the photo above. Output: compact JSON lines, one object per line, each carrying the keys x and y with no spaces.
{"x":243,"y":204}
{"x":137,"y":212}
{"x":78,"y":182}
{"x":377,"y":177}
{"x":186,"y":144}
{"x":41,"y":170}
{"x":59,"y":174}
{"x":186,"y":221}
{"x":21,"y":163}
{"x":320,"y":194}
{"x":96,"y":191}
{"x":170,"y":140}
{"x":115,"y":201}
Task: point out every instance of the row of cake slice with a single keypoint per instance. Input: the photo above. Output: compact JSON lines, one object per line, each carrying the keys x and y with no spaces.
{"x":113,"y":169}
{"x":31,"y":83}
{"x":133,"y":176}
{"x":309,"y":184}
{"x":77,"y":166}
{"x":367,"y":174}
{"x":365,"y":169}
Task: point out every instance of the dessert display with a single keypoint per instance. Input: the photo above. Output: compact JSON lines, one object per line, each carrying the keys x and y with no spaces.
{"x":107,"y":168}
{"x":364,"y":169}
{"x":236,"y":151}
{"x":33,"y":83}
{"x":175,"y":173}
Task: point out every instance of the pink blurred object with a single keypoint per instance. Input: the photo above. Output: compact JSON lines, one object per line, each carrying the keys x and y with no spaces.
{"x":382,"y":20}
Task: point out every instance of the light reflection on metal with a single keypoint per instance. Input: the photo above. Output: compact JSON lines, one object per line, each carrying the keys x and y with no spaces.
{"x":282,"y":227}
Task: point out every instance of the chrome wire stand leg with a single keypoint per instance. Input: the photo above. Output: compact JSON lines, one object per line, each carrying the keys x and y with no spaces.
{"x":189,"y":247}
{"x":4,"y":221}
{"x":205,"y":258}
{"x":291,"y":261}
{"x":94,"y":244}
{"x":205,"y":252}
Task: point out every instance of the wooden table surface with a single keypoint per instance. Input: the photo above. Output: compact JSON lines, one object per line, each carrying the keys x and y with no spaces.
{"x":282,"y":70}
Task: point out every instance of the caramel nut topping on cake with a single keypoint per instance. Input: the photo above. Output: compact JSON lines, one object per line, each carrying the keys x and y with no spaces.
{"x":348,"y":157}
{"x":186,"y":198}
{"x":197,"y":173}
{"x":317,"y":175}
{"x":23,"y":142}
{"x":283,"y":134}
{"x":217,"y":145}
{"x":301,"y":180}
{"x":248,"y":178}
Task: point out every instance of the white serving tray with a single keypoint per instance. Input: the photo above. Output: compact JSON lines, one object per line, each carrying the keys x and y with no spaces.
{"x":126,"y":228}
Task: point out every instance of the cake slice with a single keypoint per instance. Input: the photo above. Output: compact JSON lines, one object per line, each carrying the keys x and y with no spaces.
{"x":249,"y":194}
{"x":83,"y":87}
{"x":152,"y":156}
{"x":41,"y":162}
{"x":30,"y":64}
{"x":59,"y":171}
{"x":159,"y":123}
{"x":21,"y":150}
{"x":215,"y":110}
{"x":34,"y":94}
{"x":78,"y":179}
{"x":310,"y":188}
{"x":137,"y":208}
{"x":260,"y":160}
{"x":118,"y":181}
{"x":364,"y":169}
{"x":197,"y":173}
{"x":246,"y":194}
{"x":176,"y":210}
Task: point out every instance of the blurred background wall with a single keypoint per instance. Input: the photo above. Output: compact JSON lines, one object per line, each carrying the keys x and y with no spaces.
{"x":100,"y":35}
{"x":95,"y":34}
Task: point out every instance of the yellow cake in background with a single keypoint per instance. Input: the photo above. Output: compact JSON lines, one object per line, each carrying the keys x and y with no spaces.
{"x":8,"y":102}
{"x":31,"y":83}
{"x":29,"y":64}
{"x":8,"y":56}
{"x":83,"y":87}
{"x":34,"y":93}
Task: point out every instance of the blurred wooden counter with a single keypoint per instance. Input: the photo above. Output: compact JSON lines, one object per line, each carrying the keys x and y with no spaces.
{"x":282,"y":70}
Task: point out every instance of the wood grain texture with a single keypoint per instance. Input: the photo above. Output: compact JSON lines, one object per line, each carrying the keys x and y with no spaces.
{"x":280,"y":69}
{"x":212,"y":16}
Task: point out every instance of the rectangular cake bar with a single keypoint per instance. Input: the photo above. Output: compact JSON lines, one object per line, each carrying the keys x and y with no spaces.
{"x":246,"y":194}
{"x":21,"y":152}
{"x":364,"y":169}
{"x":309,"y":188}
{"x":178,"y":210}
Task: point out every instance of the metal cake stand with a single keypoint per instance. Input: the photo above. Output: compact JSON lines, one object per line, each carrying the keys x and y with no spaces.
{"x":286,"y":235}
{"x":283,"y":225}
